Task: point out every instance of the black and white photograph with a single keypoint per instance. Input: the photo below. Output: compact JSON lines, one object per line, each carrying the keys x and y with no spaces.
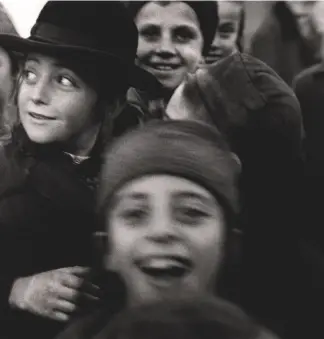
{"x":161,"y":169}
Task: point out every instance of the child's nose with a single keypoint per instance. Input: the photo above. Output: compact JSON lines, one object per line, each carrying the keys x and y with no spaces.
{"x":166,"y":45}
{"x":163,"y":230}
{"x":40,"y":92}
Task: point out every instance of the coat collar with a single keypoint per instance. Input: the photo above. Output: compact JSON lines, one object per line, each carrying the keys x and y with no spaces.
{"x":53,"y":156}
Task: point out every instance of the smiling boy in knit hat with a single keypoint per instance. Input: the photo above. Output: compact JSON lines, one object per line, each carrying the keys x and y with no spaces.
{"x":167,"y":204}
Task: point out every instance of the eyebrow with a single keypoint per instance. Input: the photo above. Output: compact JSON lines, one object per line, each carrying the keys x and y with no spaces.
{"x":192,"y":195}
{"x":32,"y":59}
{"x":132,"y":196}
{"x":62,"y":64}
{"x":158,"y":24}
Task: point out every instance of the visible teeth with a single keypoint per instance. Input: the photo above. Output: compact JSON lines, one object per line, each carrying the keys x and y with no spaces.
{"x":164,"y":67}
{"x":164,"y":263}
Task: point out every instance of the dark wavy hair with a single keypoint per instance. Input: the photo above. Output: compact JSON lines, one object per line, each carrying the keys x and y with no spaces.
{"x":240,"y":36}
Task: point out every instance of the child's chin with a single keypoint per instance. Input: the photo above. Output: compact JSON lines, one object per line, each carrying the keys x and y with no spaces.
{"x":41,"y":138}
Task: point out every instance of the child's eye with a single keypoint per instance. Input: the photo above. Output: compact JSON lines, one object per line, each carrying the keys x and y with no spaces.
{"x":225,"y":35}
{"x":226,"y":30}
{"x":150,"y":33}
{"x":184,"y":34}
{"x":134,"y":217}
{"x":29,"y":75}
{"x":66,"y":81}
{"x":191,"y":215}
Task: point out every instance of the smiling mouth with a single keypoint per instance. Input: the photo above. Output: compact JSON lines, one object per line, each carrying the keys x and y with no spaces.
{"x":40,"y":116}
{"x":211,"y":58}
{"x":164,"y":67}
{"x":165,"y":269}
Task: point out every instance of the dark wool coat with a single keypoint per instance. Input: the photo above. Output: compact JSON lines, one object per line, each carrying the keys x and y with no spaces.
{"x":47,"y":218}
{"x":46,"y":222}
{"x":282,"y":273}
{"x":309,"y":88}
{"x":260,"y":117}
{"x":279,"y":44}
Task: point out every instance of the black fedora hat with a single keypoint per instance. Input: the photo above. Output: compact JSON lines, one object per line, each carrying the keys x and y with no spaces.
{"x":101,"y":31}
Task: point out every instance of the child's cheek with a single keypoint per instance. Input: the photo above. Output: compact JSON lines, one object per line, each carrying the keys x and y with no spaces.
{"x":193,"y":58}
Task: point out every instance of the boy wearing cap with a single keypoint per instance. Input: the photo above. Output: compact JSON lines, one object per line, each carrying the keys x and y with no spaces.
{"x":167,"y":204}
{"x":75,"y":76}
{"x":174,"y":36}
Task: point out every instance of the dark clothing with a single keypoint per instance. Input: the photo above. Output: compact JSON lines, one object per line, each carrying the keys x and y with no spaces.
{"x":283,"y":273}
{"x":263,"y":125}
{"x":89,"y":325}
{"x":137,"y":112}
{"x":259,"y":115}
{"x":47,"y":219}
{"x":309,"y":88}
{"x":279,"y":44}
{"x":46,"y":222}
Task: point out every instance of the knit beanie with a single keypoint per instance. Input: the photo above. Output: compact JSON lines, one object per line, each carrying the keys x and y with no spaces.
{"x":187,"y":149}
{"x":207,"y":14}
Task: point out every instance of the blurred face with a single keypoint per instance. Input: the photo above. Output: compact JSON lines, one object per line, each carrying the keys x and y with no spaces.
{"x":318,"y":17}
{"x":170,"y":41}
{"x":302,"y":10}
{"x":55,"y":104}
{"x":225,"y":39}
{"x":6,"y":77}
{"x":166,"y":236}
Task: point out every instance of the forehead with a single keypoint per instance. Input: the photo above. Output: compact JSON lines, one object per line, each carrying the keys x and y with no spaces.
{"x":50,"y":60}
{"x":229,"y":10}
{"x":157,"y":185}
{"x":85,"y":71}
{"x":162,"y":13}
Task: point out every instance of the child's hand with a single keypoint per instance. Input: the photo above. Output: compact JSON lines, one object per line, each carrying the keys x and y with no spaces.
{"x":53,"y":294}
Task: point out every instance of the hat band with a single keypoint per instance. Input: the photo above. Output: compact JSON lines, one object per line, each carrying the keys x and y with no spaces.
{"x":61,"y":35}
{"x":53,"y":34}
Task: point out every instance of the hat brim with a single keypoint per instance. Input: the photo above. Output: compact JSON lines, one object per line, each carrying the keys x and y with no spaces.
{"x":137,"y":77}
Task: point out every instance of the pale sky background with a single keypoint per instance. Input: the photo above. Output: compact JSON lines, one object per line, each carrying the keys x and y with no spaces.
{"x":23,"y":13}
